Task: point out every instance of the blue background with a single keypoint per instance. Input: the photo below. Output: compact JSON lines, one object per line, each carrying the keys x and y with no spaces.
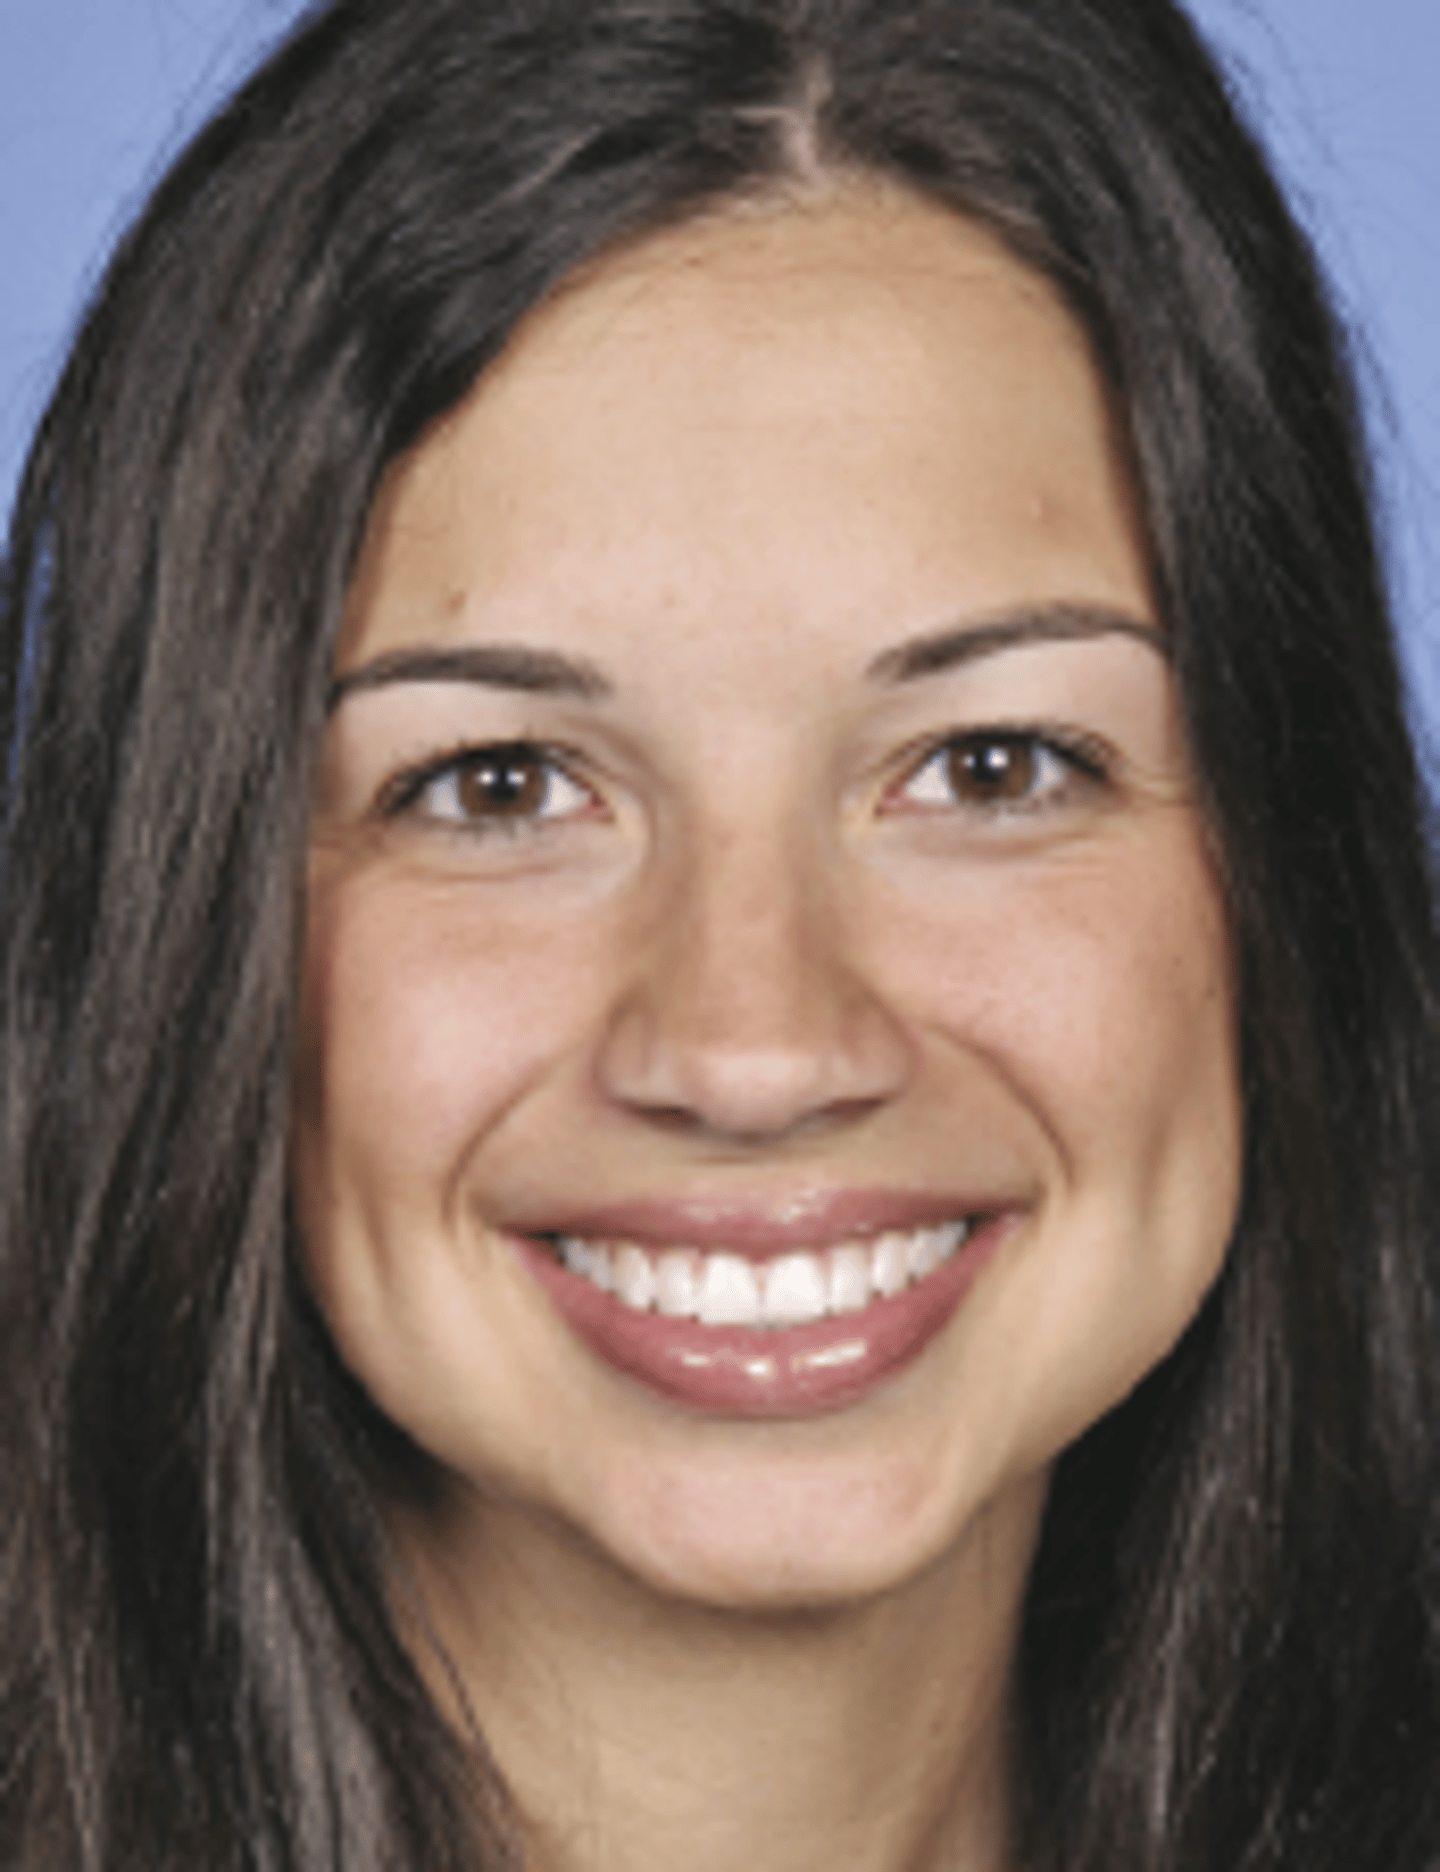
{"x":95,"y":93}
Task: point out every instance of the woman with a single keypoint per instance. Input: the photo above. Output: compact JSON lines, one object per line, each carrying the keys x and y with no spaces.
{"x":720,"y":1000}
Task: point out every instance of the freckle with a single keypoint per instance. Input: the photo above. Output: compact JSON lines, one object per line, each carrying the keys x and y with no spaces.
{"x":1045,"y":512}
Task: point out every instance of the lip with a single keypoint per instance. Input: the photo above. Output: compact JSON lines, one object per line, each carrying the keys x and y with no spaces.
{"x":739,"y":1371}
{"x":761,"y":1229}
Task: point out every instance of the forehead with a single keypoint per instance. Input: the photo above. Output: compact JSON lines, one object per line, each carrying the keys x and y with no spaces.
{"x":746,"y":394}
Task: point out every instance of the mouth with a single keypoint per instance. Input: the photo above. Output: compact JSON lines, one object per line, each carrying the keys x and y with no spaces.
{"x":793,"y":1289}
{"x":753,"y":1322}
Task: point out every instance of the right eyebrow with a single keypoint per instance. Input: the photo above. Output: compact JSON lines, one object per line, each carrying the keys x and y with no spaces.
{"x":492,"y":666}
{"x":993,"y":634}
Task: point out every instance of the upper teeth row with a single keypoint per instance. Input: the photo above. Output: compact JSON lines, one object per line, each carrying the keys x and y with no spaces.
{"x":793,"y":1289}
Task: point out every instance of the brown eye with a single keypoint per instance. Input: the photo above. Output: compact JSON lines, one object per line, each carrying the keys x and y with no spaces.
{"x":509,"y":787}
{"x":1000,"y":771}
{"x":502,"y":783}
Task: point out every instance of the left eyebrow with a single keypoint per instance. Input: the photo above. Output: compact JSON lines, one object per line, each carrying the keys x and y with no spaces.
{"x":937,"y":651}
{"x":493,"y":666}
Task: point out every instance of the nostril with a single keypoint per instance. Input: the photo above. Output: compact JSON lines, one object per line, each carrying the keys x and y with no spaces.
{"x":751,"y":1027}
{"x":692,"y":1126}
{"x":754,"y":1108}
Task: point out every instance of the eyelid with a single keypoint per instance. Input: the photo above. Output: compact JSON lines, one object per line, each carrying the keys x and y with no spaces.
{"x":402,"y":791}
{"x":1089,"y":760}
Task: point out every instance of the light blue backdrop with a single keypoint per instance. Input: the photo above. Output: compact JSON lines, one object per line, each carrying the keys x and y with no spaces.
{"x":93,"y":93}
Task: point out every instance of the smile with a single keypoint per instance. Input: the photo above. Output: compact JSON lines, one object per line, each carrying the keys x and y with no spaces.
{"x":762,"y":1322}
{"x":794,"y":1289}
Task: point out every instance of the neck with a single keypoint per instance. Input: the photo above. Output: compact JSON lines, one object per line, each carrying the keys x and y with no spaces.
{"x":638,"y":1733}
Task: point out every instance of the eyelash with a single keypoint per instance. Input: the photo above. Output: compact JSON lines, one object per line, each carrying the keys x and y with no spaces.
{"x":518,"y":762}
{"x":1018,"y":783}
{"x":1024,"y":751}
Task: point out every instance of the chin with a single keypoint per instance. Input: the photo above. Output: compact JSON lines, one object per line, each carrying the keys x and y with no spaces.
{"x":795,"y":1529}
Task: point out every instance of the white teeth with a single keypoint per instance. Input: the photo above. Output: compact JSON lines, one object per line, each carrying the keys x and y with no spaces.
{"x":849,"y":1278}
{"x":679,"y":1294}
{"x":887,"y":1263}
{"x":635,"y":1280}
{"x":729,"y":1292}
{"x":588,"y":1258}
{"x":922,"y":1256}
{"x":791,"y":1290}
{"x":794,"y":1291}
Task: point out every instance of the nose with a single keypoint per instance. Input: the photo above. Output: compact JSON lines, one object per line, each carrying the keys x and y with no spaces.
{"x":745,"y":1018}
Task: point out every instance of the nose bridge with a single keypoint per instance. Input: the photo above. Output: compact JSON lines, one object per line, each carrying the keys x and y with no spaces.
{"x":747,"y":1013}
{"x":751,"y":963}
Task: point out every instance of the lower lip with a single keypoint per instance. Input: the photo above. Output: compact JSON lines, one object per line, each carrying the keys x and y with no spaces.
{"x":738,"y":1371}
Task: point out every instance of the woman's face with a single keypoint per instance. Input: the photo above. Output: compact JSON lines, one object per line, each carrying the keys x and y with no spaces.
{"x":767,"y":1078}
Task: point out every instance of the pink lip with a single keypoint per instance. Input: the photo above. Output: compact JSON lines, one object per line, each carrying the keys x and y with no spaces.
{"x":760,"y":1229}
{"x":741,"y":1371}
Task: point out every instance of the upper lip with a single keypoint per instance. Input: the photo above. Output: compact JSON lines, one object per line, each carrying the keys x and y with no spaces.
{"x":760,"y":1228}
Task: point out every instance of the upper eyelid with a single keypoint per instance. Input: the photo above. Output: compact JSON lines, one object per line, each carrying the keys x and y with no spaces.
{"x":1090,"y":772}
{"x":1090,"y":752}
{"x":401,"y":788}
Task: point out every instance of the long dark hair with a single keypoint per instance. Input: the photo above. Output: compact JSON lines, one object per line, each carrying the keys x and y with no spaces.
{"x":1231,"y":1656}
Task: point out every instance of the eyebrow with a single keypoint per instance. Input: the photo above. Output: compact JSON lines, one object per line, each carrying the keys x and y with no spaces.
{"x":942,"y":650}
{"x":491,"y":666}
{"x":546,"y":672}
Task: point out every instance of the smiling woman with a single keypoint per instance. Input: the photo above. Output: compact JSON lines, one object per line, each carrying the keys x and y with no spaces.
{"x":720,"y":993}
{"x":867,"y":1036}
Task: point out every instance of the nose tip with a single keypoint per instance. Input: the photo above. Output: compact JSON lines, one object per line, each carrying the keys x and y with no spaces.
{"x":747,"y":1095}
{"x":746,"y":1022}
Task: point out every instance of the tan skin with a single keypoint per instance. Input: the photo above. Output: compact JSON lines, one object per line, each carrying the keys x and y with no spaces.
{"x":753,"y":922}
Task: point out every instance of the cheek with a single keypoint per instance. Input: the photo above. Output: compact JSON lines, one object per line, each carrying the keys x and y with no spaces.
{"x":1096,"y":993}
{"x":424,"y":1018}
{"x":1126,"y":1038}
{"x":425,"y":1023}
{"x":1095,"y":985}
